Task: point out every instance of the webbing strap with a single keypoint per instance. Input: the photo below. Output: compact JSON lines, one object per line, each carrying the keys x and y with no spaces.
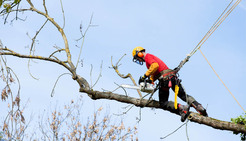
{"x":176,"y":95}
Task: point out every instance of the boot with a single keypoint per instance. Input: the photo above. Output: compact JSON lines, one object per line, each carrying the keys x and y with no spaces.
{"x":183,"y":111}
{"x":199,"y":108}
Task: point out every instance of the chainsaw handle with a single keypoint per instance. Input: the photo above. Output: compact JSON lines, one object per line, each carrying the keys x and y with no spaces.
{"x":148,"y":80}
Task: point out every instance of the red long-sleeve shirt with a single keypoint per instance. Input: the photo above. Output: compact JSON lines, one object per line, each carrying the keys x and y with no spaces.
{"x":154,"y":65}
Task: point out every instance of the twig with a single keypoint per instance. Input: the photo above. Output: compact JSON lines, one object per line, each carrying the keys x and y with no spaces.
{"x":125,"y":111}
{"x":53,"y":89}
{"x":140,"y":115}
{"x":83,"y":38}
{"x":120,"y":60}
{"x":34,"y":38}
{"x":29,"y":1}
{"x":1,"y":44}
{"x":116,"y":89}
{"x":157,"y":87}
{"x":17,"y":11}
{"x":115,"y":67}
{"x":122,"y":88}
{"x":99,"y":76}
{"x":18,"y":94}
{"x":186,"y":123}
{"x":63,"y":13}
{"x":29,"y":70}
{"x":56,"y":52}
{"x":46,"y":11}
{"x":173,"y":131}
{"x":10,"y":52}
{"x":91,"y":74}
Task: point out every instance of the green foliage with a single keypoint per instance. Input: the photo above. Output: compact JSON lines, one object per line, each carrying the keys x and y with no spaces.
{"x":17,"y":1}
{"x":1,"y":2}
{"x":1,"y":135}
{"x":9,"y":4}
{"x":240,"y":120}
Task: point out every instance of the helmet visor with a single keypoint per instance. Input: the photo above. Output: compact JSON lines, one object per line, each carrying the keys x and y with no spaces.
{"x":138,"y":60}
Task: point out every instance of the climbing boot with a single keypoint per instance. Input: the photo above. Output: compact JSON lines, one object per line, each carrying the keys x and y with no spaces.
{"x":199,"y":108}
{"x":183,"y":111}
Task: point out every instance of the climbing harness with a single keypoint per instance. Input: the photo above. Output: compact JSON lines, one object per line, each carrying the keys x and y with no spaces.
{"x":167,"y":75}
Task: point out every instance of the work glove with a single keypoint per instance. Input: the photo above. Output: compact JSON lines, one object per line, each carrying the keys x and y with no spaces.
{"x":149,"y":81}
{"x":142,"y":78}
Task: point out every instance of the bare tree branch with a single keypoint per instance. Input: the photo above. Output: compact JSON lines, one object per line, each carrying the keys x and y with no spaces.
{"x":115,"y":67}
{"x":53,"y":90}
{"x":34,"y":38}
{"x":46,"y":11}
{"x":83,"y":38}
{"x":56,"y":52}
{"x":12,"y":53}
{"x":63,"y":14}
{"x":99,"y":76}
{"x":67,"y":50}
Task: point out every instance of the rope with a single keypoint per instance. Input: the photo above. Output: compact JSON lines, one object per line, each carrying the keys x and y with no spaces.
{"x":209,"y":31}
{"x":221,"y":80}
{"x":216,"y":25}
{"x":221,"y":18}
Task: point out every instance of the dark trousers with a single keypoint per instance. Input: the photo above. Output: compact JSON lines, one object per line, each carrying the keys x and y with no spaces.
{"x":164,"y":94}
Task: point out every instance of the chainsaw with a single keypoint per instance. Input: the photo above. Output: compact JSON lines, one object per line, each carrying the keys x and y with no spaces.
{"x":143,"y":86}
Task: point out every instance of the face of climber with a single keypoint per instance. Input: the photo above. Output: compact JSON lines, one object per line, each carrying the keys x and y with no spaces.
{"x":139,"y":59}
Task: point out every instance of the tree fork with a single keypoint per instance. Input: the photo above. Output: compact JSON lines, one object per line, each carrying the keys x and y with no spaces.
{"x":193,"y":117}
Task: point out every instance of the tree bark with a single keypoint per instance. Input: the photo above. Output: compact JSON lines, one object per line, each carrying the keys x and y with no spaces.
{"x":193,"y":117}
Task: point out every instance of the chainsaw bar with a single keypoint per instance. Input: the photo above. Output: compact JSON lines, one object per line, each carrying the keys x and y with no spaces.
{"x":131,"y":87}
{"x":144,"y":87}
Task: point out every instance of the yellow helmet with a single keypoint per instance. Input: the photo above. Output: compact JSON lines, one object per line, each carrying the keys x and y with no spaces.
{"x":136,"y":50}
{"x":137,"y":55}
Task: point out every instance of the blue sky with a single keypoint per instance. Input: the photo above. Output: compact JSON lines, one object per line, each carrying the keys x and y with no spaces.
{"x":167,"y":29}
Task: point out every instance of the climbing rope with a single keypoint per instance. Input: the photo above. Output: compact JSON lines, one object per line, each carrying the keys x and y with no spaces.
{"x":221,"y":18}
{"x":221,"y":80}
{"x":217,"y":23}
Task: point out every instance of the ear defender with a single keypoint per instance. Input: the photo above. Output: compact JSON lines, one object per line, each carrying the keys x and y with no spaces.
{"x":140,"y":54}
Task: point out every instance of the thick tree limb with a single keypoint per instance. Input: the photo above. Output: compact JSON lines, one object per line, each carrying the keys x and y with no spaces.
{"x":194,"y":117}
{"x":217,"y":124}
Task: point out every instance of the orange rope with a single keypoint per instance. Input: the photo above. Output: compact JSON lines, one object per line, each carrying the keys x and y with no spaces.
{"x":221,"y":80}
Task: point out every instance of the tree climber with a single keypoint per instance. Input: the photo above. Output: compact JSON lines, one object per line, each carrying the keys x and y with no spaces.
{"x":168,"y":78}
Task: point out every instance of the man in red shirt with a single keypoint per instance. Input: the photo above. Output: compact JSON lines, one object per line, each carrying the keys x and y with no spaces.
{"x":157,"y":69}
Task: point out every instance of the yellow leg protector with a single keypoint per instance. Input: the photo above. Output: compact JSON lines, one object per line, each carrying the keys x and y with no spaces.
{"x":176,"y":95}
